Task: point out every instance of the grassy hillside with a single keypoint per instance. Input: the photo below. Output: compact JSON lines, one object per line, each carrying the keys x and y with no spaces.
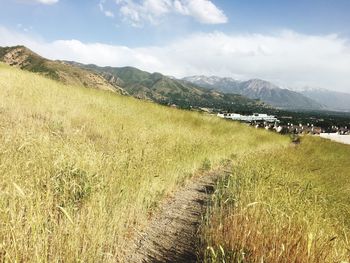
{"x":81,"y":169}
{"x":21,"y":57}
{"x":166,"y":90}
{"x":289,"y":205}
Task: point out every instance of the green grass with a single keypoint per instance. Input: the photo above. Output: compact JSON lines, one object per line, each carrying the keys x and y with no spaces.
{"x":81,"y":169}
{"x":286,"y":205}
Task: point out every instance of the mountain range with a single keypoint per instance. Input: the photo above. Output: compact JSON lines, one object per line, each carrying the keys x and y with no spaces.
{"x":214,"y":92}
{"x":167,"y":90}
{"x":259,"y":89}
{"x":333,"y":100}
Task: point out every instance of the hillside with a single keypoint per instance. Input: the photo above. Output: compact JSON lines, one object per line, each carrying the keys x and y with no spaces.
{"x":83,"y":170}
{"x":333,"y":100}
{"x":258,"y":89}
{"x":162,"y":89}
{"x":286,"y":205}
{"x":23,"y":58}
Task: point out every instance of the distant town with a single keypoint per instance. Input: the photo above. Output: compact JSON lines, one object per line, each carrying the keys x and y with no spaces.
{"x":270,"y":122}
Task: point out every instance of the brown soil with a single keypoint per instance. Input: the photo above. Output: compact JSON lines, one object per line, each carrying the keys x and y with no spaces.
{"x":16,"y":58}
{"x":172,"y":235}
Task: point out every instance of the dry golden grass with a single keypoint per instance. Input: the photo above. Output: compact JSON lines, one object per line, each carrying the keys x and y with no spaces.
{"x":290,"y":205}
{"x":80,"y":169}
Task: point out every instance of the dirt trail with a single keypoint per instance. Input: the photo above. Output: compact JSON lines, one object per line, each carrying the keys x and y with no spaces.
{"x":172,"y":234}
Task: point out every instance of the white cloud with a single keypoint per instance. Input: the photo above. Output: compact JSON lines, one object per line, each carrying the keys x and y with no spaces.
{"x":23,"y":28}
{"x":46,"y":2}
{"x":103,"y":10}
{"x":287,"y":58}
{"x":202,"y":10}
{"x":152,"y":11}
{"x":108,"y":14}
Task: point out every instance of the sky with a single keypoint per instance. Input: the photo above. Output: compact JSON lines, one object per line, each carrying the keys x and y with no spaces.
{"x":293,"y":43}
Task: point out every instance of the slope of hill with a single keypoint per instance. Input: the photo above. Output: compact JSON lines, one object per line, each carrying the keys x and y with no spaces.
{"x":333,"y":100}
{"x":83,"y":169}
{"x":23,"y":58}
{"x":167,"y":90}
{"x":258,"y":89}
{"x":289,"y":205}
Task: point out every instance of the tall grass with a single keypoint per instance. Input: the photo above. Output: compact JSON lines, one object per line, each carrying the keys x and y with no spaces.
{"x":286,"y":205}
{"x":81,"y":169}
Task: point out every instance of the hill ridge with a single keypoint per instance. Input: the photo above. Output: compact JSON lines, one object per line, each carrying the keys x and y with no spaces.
{"x":24,"y":58}
{"x":167,"y":90}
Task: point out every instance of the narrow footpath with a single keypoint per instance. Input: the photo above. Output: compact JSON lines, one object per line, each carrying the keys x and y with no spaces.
{"x":173,"y":233}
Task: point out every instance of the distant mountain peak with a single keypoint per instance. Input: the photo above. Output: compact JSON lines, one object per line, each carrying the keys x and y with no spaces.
{"x":259,"y":84}
{"x":257,"y":89}
{"x":333,"y":100}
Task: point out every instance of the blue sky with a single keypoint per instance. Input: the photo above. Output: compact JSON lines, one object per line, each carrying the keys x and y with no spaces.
{"x":83,"y":20}
{"x":183,"y":37}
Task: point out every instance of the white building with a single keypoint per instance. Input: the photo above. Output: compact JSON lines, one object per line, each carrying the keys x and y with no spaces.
{"x":248,"y":118}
